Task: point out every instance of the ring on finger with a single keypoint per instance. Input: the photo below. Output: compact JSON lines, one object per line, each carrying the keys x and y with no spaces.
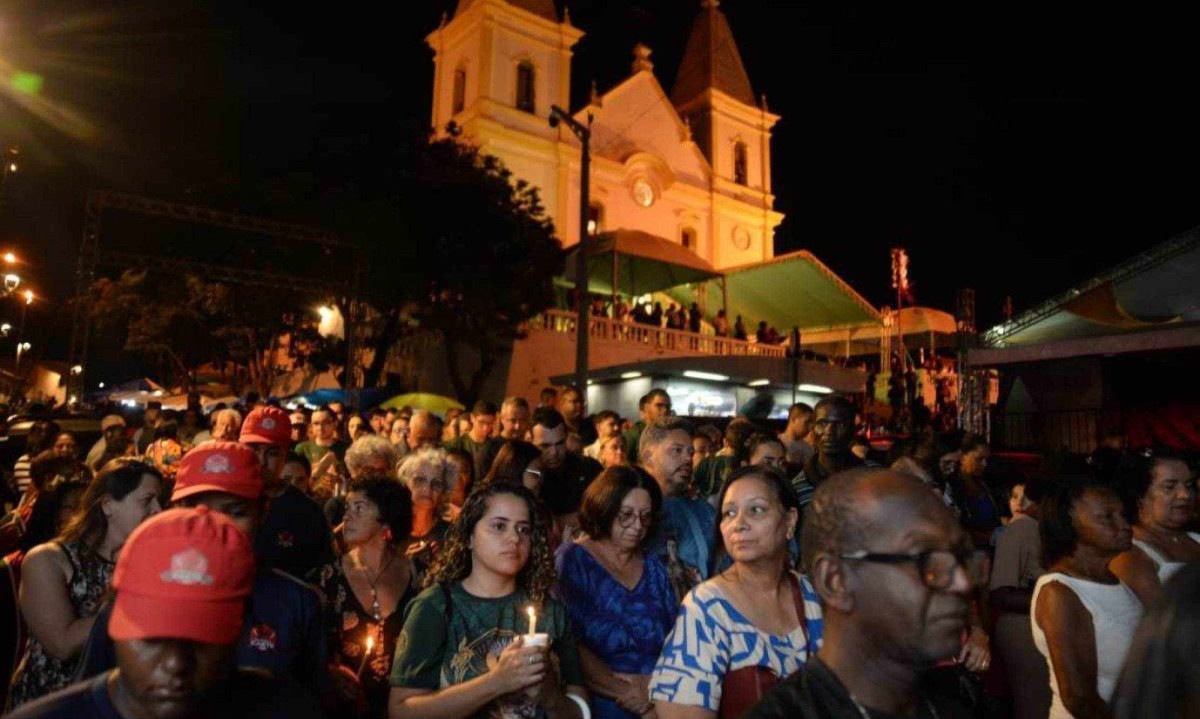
{"x":531,"y":659}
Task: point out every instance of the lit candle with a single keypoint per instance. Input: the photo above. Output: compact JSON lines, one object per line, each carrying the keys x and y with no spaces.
{"x":532,"y":620}
{"x":366,"y":655}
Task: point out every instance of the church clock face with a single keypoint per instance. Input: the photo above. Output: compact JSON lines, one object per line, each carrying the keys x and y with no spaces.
{"x":741,"y":238}
{"x":643,"y":192}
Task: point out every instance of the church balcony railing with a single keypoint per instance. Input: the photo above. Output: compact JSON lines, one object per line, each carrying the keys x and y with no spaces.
{"x":605,"y":328}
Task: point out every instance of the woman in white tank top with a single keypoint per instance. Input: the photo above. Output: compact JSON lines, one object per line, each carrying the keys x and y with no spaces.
{"x":1160,"y":499}
{"x":1083,"y":617}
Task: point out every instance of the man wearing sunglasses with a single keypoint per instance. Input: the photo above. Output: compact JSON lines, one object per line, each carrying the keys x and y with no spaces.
{"x":895,"y":572}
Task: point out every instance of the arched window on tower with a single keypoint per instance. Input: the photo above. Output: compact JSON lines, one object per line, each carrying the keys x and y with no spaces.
{"x":687,"y":238}
{"x":740,"y":175}
{"x":460,"y":90}
{"x":526,"y":99}
{"x":595,"y":219}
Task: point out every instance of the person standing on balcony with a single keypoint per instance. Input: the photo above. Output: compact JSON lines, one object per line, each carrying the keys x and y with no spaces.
{"x":721,"y":324}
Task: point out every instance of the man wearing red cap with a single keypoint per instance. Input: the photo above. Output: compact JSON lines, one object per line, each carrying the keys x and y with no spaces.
{"x":294,"y":535}
{"x":181,"y":584}
{"x":284,"y":633}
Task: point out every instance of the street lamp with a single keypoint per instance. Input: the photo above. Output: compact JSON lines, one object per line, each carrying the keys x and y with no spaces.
{"x":584,"y":134}
{"x":11,"y":282}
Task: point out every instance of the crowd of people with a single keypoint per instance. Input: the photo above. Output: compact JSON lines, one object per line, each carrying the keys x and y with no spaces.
{"x":520,"y":561}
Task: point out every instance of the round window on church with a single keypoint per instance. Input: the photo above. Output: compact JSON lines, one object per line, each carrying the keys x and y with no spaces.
{"x":643,"y":192}
{"x":741,"y":238}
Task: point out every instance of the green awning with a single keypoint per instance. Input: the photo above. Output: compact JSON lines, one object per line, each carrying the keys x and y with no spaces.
{"x":641,"y":263}
{"x":793,"y":290}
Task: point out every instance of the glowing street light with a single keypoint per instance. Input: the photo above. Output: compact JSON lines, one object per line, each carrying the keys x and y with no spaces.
{"x":28,"y":297}
{"x":10,"y":258}
{"x":11,"y":282}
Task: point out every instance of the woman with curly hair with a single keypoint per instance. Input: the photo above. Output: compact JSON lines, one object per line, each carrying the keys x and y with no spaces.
{"x":464,"y":651}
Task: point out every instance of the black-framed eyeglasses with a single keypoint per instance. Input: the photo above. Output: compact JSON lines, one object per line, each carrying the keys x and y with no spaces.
{"x":936,"y":566}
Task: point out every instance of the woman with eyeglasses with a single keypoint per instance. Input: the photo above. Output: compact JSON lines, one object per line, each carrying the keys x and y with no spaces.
{"x":367,"y":590}
{"x":1159,"y":492}
{"x":485,"y":639}
{"x":430,"y":476}
{"x":743,"y":630}
{"x":619,"y":596}
{"x":1083,"y":616}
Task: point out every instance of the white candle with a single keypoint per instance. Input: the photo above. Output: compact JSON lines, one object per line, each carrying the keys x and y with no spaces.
{"x":366,"y":655}
{"x":532,"y":620}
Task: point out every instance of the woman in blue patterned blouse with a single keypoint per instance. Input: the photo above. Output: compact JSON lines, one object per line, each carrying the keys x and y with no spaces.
{"x":619,"y":596}
{"x":750,"y":626}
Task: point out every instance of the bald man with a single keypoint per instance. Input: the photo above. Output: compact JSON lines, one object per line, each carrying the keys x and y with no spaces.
{"x":895,"y":572}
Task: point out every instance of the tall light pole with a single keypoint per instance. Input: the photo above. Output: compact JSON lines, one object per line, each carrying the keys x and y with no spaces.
{"x":584,"y":133}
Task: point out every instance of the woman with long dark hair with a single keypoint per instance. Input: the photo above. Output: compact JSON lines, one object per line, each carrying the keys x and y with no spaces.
{"x":58,"y":499}
{"x":486,"y":637}
{"x":64,"y":581}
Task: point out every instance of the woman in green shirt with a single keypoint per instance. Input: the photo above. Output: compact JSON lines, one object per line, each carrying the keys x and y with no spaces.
{"x":463,"y":651}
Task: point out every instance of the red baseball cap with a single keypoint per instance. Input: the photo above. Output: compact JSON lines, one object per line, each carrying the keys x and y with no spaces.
{"x":219,"y":467}
{"x":267,"y":425}
{"x":183,"y":574}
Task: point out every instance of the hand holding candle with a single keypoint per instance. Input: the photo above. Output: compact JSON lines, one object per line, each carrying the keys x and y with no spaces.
{"x":366,"y":655}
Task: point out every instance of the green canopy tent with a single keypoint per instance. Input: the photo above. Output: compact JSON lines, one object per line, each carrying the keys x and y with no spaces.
{"x":792,"y":290}
{"x":632,"y":263}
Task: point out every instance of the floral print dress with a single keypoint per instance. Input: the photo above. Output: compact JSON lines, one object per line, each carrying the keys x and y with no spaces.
{"x":39,"y":673}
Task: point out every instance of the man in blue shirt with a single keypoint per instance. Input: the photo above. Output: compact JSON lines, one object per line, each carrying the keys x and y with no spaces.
{"x":686,"y":535}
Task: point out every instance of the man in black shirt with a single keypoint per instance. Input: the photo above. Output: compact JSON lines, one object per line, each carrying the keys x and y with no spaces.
{"x":181,"y":581}
{"x":895,"y":572}
{"x":565,"y":475}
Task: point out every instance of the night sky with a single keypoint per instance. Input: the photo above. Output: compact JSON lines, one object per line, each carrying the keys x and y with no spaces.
{"x":1015,"y":148}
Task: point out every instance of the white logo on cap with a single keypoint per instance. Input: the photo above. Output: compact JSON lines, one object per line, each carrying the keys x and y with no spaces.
{"x":188,"y":567}
{"x":218,"y":464}
{"x":268,"y":423}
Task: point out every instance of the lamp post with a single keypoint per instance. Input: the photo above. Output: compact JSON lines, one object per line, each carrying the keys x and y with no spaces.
{"x":584,"y":134}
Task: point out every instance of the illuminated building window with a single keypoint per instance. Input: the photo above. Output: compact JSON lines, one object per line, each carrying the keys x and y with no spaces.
{"x":525,"y":92}
{"x":460,"y":90}
{"x":739,"y":163}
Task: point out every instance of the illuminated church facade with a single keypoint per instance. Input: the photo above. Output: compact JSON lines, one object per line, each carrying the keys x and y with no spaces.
{"x":691,"y":166}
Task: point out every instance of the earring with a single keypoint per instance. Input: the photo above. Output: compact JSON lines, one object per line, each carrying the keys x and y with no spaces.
{"x":387,"y":534}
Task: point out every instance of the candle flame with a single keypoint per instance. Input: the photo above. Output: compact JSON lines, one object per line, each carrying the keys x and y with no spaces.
{"x":370,"y":644}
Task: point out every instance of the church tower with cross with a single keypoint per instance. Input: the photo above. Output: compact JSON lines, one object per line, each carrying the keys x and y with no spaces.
{"x":690,"y":167}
